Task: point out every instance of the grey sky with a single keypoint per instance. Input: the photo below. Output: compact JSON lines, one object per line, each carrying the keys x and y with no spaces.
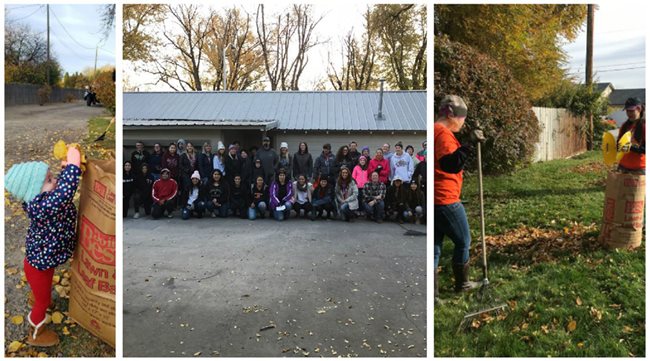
{"x":619,"y":45}
{"x":75,"y":31}
{"x":337,"y":22}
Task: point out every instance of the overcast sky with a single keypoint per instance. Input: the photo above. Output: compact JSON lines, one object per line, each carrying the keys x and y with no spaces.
{"x":619,"y":45}
{"x":337,"y":22}
{"x":75,"y":31}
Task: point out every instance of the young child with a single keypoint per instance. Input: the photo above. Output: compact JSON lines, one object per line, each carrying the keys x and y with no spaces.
{"x":51,"y":235}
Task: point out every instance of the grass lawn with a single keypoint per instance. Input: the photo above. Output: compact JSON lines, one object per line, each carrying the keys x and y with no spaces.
{"x":543,"y":223}
{"x":102,"y":148}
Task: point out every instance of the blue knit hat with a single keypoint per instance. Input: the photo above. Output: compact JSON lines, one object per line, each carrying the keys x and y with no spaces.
{"x":25,"y":180}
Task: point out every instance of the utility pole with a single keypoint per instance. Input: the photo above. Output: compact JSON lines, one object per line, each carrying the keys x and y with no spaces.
{"x":96,"y":49}
{"x":589,"y":70}
{"x":47,"y":67}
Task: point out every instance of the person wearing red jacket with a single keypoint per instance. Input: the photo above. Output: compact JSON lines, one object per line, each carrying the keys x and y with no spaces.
{"x":381,"y":165}
{"x":163,"y":193}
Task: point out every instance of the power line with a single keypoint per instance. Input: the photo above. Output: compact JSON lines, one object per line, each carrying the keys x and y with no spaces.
{"x":25,"y":17}
{"x":22,"y":7}
{"x":66,"y":31}
{"x":606,"y":71}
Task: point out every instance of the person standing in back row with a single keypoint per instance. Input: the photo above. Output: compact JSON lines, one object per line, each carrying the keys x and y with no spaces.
{"x":269,"y":159}
{"x":139,"y":156}
{"x":401,"y":164}
{"x":302,"y":162}
{"x":324,"y":165}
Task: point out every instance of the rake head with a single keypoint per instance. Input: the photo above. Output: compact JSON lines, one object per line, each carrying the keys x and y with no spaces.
{"x":487,"y":304}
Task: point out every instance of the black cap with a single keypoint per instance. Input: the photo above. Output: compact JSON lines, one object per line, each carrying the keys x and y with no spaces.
{"x":632,"y":103}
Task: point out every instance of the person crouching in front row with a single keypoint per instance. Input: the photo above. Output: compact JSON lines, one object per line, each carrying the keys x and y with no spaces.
{"x":163,"y":193}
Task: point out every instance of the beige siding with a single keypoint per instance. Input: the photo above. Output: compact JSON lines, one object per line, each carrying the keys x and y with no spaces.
{"x":248,"y":138}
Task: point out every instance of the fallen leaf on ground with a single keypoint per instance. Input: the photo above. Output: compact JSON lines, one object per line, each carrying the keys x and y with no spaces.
{"x":12,"y":271}
{"x":578,"y":301}
{"x":14,"y":346}
{"x":57,"y":317}
{"x":17,"y":320}
{"x":571,"y":326}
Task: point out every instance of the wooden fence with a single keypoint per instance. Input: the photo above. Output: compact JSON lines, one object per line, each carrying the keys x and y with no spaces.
{"x":562,"y":134}
{"x":23,"y":94}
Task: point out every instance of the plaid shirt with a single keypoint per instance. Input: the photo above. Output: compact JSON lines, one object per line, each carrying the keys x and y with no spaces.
{"x":372,"y":190}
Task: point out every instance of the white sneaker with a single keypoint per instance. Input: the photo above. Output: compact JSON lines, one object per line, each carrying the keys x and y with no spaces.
{"x":170,"y":215}
{"x":136,"y":215}
{"x":213,"y":215}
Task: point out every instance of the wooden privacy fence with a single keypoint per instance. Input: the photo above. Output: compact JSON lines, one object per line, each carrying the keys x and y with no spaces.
{"x":562,"y":134}
{"x":22,"y":94}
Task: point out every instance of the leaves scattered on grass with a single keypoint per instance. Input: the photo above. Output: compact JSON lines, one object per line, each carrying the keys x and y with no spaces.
{"x":591,"y":167}
{"x":531,"y":245}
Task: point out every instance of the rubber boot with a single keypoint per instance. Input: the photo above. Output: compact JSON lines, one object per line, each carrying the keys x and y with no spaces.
{"x":40,"y":335}
{"x":461,"y":277}
{"x":436,"y":293}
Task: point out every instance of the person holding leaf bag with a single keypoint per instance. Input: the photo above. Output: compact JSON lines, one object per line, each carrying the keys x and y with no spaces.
{"x":634,"y":158}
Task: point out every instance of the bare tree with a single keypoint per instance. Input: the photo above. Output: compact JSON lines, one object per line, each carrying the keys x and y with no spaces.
{"x":182,"y":69}
{"x":283,"y":66}
{"x":358,"y":61}
{"x":231,"y":32}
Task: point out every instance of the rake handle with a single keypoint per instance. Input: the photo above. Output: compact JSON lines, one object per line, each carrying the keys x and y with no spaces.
{"x":480,"y":193}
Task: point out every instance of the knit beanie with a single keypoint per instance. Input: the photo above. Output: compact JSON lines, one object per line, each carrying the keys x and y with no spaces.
{"x":196,"y":175}
{"x":25,"y":180}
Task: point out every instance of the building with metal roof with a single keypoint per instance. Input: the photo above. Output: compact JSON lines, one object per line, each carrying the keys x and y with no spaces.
{"x":371,"y":118}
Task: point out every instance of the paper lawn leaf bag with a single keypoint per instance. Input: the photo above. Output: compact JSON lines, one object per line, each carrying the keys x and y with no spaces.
{"x":92,"y":294}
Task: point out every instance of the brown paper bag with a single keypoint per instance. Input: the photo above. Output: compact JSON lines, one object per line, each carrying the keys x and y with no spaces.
{"x":92,"y":292}
{"x":623,"y":211}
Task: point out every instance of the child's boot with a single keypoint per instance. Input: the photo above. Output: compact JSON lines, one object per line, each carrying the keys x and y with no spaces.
{"x":40,"y":335}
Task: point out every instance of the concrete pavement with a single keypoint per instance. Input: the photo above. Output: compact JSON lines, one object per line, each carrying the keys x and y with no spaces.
{"x":232,"y":287}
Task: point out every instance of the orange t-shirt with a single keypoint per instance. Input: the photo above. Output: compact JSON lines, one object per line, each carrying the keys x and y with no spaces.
{"x":632,"y":160}
{"x":446,"y":186}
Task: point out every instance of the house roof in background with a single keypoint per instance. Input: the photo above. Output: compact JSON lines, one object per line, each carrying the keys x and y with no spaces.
{"x":619,"y":96}
{"x":293,"y":110}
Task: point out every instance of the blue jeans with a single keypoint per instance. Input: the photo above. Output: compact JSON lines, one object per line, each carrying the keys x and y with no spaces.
{"x":451,"y":221}
{"x":377,"y":211}
{"x":282,"y":215}
{"x":261,"y":208}
{"x":199,"y":206}
{"x":345,"y":212}
{"x":220,"y":211}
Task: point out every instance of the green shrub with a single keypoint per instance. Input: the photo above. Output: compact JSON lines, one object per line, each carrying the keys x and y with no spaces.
{"x":495,"y":100}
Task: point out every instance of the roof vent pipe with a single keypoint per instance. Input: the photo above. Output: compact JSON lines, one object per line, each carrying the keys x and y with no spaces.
{"x":380,"y":114}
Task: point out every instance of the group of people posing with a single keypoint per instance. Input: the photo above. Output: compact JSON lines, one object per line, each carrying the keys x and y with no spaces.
{"x":261,"y":182}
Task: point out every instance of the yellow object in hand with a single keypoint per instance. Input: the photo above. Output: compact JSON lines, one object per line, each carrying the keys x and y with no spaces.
{"x":61,"y":152}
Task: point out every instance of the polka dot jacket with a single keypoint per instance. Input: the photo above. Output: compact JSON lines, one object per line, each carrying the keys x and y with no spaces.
{"x":51,"y":236}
